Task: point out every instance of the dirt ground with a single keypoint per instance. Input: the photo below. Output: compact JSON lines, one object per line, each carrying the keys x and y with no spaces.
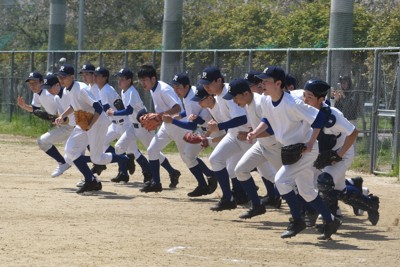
{"x":43,"y":222}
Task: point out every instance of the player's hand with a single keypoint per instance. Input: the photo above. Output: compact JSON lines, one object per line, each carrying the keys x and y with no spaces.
{"x":110,"y":112}
{"x":192,"y":117}
{"x":212,"y":126}
{"x":251,"y":136}
{"x":309,"y":147}
{"x":167,"y":118}
{"x":21,"y":102}
{"x":59,"y":120}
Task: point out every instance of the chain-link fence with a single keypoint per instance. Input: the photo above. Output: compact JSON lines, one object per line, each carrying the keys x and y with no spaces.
{"x":370,"y":74}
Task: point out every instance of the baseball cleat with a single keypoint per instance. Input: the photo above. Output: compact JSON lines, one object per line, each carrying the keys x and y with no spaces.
{"x":131,"y":163}
{"x":174,"y":177}
{"x":151,"y":187}
{"x":199,"y":191}
{"x":330,"y":229}
{"x":224,"y":204}
{"x":294,"y":227}
{"x":90,"y":186}
{"x":254,"y":211}
{"x":60,"y":169}
{"x":212,"y":184}
{"x":121,"y":177}
{"x":274,"y":202}
{"x":98,"y":169}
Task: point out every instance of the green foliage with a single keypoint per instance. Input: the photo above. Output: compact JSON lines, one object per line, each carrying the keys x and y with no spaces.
{"x":25,"y":125}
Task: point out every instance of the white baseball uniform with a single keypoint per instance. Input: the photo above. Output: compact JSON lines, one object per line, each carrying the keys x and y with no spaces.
{"x":291,"y":121}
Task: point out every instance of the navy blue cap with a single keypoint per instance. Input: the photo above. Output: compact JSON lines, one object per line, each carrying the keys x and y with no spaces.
{"x":66,"y":70}
{"x":49,"y":81}
{"x":290,"y":80}
{"x":236,"y":87}
{"x":200,"y":94}
{"x":273,"y":72}
{"x":251,"y":77}
{"x":87,"y":68}
{"x":125,"y":72}
{"x":180,"y":78}
{"x":36,"y":76}
{"x":102,"y":71}
{"x":209,"y":75}
{"x":318,"y":87}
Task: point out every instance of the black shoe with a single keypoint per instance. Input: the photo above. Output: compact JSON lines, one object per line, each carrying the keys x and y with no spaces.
{"x":98,"y":187}
{"x":199,"y":191}
{"x":224,"y":204}
{"x":212,"y":184}
{"x":240,"y":197}
{"x":330,"y":229}
{"x":254,"y":211}
{"x":151,"y":187}
{"x":274,"y":202}
{"x":294,"y":227}
{"x":120,"y":178}
{"x":146,"y":177}
{"x":310,"y":217}
{"x":174,"y":178}
{"x":131,"y":164}
{"x":98,"y":169}
{"x":88,"y":186}
{"x":373,"y":214}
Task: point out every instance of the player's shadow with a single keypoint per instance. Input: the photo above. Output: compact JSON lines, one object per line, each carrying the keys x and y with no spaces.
{"x":102,"y":194}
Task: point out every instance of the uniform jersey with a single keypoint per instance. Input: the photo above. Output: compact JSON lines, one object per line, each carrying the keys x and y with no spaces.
{"x":107,"y":97}
{"x":164,"y":97}
{"x":341,"y":127}
{"x":95,"y":91}
{"x":62,"y":104}
{"x":46,"y":100}
{"x":229,"y":110}
{"x":290,"y":119}
{"x":81,"y":97}
{"x":193,"y":107}
{"x":132,"y":98}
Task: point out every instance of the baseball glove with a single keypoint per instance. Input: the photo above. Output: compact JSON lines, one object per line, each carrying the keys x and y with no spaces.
{"x":326,"y":158}
{"x":151,"y":121}
{"x":83,"y":119}
{"x":193,"y":138}
{"x":292,"y":153}
{"x":118,"y":104}
{"x":44,"y":115}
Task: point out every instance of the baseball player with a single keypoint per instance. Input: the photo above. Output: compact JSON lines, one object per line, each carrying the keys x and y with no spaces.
{"x":165,"y":102}
{"x":117,"y":125}
{"x":43,"y":98}
{"x":92,"y":134}
{"x":132,"y":105}
{"x":233,"y":121}
{"x":263,"y":155}
{"x":339,"y":135}
{"x":294,"y":122}
{"x":197,"y":167}
{"x":87,"y":74}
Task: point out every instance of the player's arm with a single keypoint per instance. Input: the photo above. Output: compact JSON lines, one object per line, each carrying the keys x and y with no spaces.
{"x":317,"y":126}
{"x":263,"y":127}
{"x":98,"y":109}
{"x":348,"y":142}
{"x":64,"y":115}
{"x":22,"y":104}
{"x":172,"y":111}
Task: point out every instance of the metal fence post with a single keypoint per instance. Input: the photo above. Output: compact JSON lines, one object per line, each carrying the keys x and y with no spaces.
{"x":374,"y":117}
{"x":10,"y":95}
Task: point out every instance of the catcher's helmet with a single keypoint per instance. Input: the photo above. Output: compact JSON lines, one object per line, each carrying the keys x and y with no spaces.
{"x":318,"y":87}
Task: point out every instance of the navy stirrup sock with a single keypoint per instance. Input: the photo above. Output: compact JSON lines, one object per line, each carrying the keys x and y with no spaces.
{"x":167,"y":166}
{"x":250,"y":187}
{"x":144,"y":164}
{"x":223,"y":181}
{"x":320,"y":207}
{"x":207,"y":172}
{"x":122,"y":162}
{"x":293,"y":204}
{"x":82,"y":166}
{"x":155,"y":170}
{"x":198,"y":174}
{"x":55,"y":154}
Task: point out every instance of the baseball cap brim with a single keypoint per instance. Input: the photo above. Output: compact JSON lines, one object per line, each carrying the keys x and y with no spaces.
{"x":204,"y":82}
{"x":33,"y":79}
{"x":263,"y":76}
{"x":46,"y":86}
{"x":172,"y":83}
{"x":61,"y":73}
{"x":228,"y":96}
{"x":84,"y":71}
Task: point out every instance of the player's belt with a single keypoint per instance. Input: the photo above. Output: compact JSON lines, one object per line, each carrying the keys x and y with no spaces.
{"x":136,"y":125}
{"x":118,"y":121}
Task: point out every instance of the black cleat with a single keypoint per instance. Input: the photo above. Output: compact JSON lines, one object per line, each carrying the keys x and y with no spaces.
{"x":294,"y":227}
{"x":146,"y":177}
{"x":98,"y":169}
{"x":174,"y":178}
{"x":310,"y":218}
{"x":199,"y":191}
{"x":254,"y":211}
{"x":241,"y":197}
{"x":330,"y":229}
{"x":151,"y":187}
{"x":274,"y":202}
{"x":90,"y":186}
{"x":357,"y":182}
{"x":98,"y":187}
{"x":131,"y":164}
{"x":212,"y":184}
{"x":224,"y":204}
{"x":373,"y":214}
{"x":120,"y":178}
